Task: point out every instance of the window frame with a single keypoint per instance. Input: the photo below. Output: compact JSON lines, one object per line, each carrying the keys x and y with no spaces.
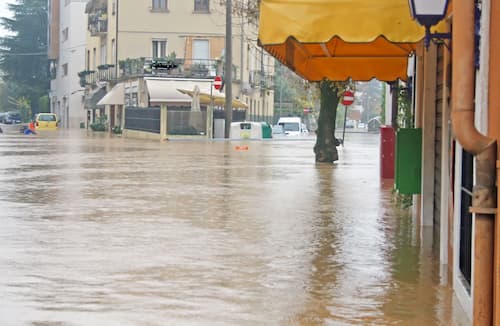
{"x":64,"y":70}
{"x":194,"y":58}
{"x":201,"y":6}
{"x":155,"y":50}
{"x":159,"y":5}
{"x":65,"y":34}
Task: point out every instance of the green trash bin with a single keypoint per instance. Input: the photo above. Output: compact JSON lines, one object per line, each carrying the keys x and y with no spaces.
{"x":267,"y":130}
{"x":82,"y":125}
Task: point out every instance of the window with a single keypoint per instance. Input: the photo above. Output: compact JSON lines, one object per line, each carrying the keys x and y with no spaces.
{"x":67,"y":2}
{"x":113,"y":50}
{"x":104,"y":54}
{"x":159,"y":48}
{"x":47,"y":117}
{"x":200,"y":51}
{"x":65,"y":69}
{"x":201,"y":6}
{"x":94,"y":58}
{"x":159,"y":5}
{"x":65,"y":34}
{"x":466,"y":220}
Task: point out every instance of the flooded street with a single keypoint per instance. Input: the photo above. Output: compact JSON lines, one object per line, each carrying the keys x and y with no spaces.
{"x":100,"y":230}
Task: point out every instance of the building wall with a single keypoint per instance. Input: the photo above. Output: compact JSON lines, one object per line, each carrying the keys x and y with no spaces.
{"x":481,"y":122}
{"x":66,"y":92}
{"x":53,"y":32}
{"x":138,"y":26}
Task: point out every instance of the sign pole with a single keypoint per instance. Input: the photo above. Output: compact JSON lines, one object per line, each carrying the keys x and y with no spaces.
{"x":210,"y":110}
{"x":228,"y":70}
{"x":347,"y":99}
{"x":345,"y":119}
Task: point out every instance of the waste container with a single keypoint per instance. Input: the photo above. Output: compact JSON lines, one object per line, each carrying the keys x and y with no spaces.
{"x":408,"y":160}
{"x":267,"y":130}
{"x":387,"y":139}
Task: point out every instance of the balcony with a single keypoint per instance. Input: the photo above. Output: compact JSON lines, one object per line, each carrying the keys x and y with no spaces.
{"x":104,"y":73}
{"x":260,"y":79}
{"x":169,"y":67}
{"x":98,"y":22}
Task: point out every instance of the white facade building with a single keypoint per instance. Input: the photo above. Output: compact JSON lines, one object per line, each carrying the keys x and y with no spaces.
{"x":67,"y":36}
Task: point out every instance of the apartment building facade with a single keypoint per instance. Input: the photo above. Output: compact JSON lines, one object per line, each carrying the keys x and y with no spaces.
{"x":133,"y":46}
{"x":67,"y":38}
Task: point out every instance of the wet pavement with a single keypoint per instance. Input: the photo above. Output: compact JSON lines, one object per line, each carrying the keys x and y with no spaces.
{"x":101,"y":230}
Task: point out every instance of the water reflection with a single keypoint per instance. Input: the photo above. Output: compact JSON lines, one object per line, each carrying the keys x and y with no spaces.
{"x":99,"y":230}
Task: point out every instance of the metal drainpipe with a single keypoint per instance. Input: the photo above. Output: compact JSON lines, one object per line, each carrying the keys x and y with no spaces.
{"x":485,"y":152}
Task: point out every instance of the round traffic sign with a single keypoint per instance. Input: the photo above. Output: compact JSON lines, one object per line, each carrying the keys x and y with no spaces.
{"x":217,"y":82}
{"x":348,"y":97}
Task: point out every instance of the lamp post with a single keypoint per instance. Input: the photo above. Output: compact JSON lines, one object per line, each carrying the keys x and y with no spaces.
{"x":228,"y":71}
{"x":428,"y":13}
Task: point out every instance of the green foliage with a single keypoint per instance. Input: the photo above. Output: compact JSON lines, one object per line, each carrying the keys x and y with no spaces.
{"x":23,"y":52}
{"x":4,"y":104}
{"x":22,"y":105}
{"x":130,"y":66}
{"x":248,"y":10}
{"x":402,"y":200}
{"x":370,"y":96}
{"x":382,"y":105}
{"x":101,"y":124}
{"x":83,"y":76}
{"x":292,"y":93}
{"x":44,"y":104}
{"x":117,"y":130}
{"x":405,"y":114}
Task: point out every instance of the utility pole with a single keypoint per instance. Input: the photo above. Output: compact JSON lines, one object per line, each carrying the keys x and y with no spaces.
{"x":262,"y":84}
{"x":228,"y":70}
{"x":242,"y":48}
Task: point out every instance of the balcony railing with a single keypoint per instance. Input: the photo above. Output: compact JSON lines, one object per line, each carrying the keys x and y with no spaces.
{"x":104,"y":73}
{"x":170,"y":67}
{"x":98,"y":22}
{"x":260,"y":79}
{"x":157,"y":67}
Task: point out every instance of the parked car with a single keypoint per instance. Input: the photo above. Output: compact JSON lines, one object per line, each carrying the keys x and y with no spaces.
{"x":374,"y":124}
{"x":278,"y":130}
{"x":46,"y":121}
{"x":349,"y":124}
{"x":11,"y":117}
{"x":292,"y":126}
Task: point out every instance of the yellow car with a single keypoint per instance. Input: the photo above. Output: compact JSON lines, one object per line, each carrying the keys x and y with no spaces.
{"x":46,"y":121}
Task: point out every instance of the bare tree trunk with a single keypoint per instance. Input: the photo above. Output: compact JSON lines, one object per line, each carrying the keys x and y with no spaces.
{"x":325,"y":148}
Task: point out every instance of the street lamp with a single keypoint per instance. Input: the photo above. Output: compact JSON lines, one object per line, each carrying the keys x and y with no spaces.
{"x":428,"y":13}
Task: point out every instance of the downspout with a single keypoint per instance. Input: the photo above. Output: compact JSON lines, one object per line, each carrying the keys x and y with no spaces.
{"x":493,"y":119}
{"x":484,"y":150}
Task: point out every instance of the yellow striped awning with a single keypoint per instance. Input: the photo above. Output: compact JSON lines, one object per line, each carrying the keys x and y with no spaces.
{"x":340,"y":39}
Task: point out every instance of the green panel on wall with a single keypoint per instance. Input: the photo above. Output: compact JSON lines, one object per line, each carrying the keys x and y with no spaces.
{"x":408,"y":169}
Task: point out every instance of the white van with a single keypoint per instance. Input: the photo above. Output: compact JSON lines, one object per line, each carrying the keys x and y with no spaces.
{"x":293,"y":126}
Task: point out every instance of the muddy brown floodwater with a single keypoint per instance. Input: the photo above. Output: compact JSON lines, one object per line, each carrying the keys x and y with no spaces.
{"x":101,"y":230}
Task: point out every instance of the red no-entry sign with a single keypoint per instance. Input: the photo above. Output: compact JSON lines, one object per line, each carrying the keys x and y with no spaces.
{"x":217,"y":82}
{"x":348,"y":97}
